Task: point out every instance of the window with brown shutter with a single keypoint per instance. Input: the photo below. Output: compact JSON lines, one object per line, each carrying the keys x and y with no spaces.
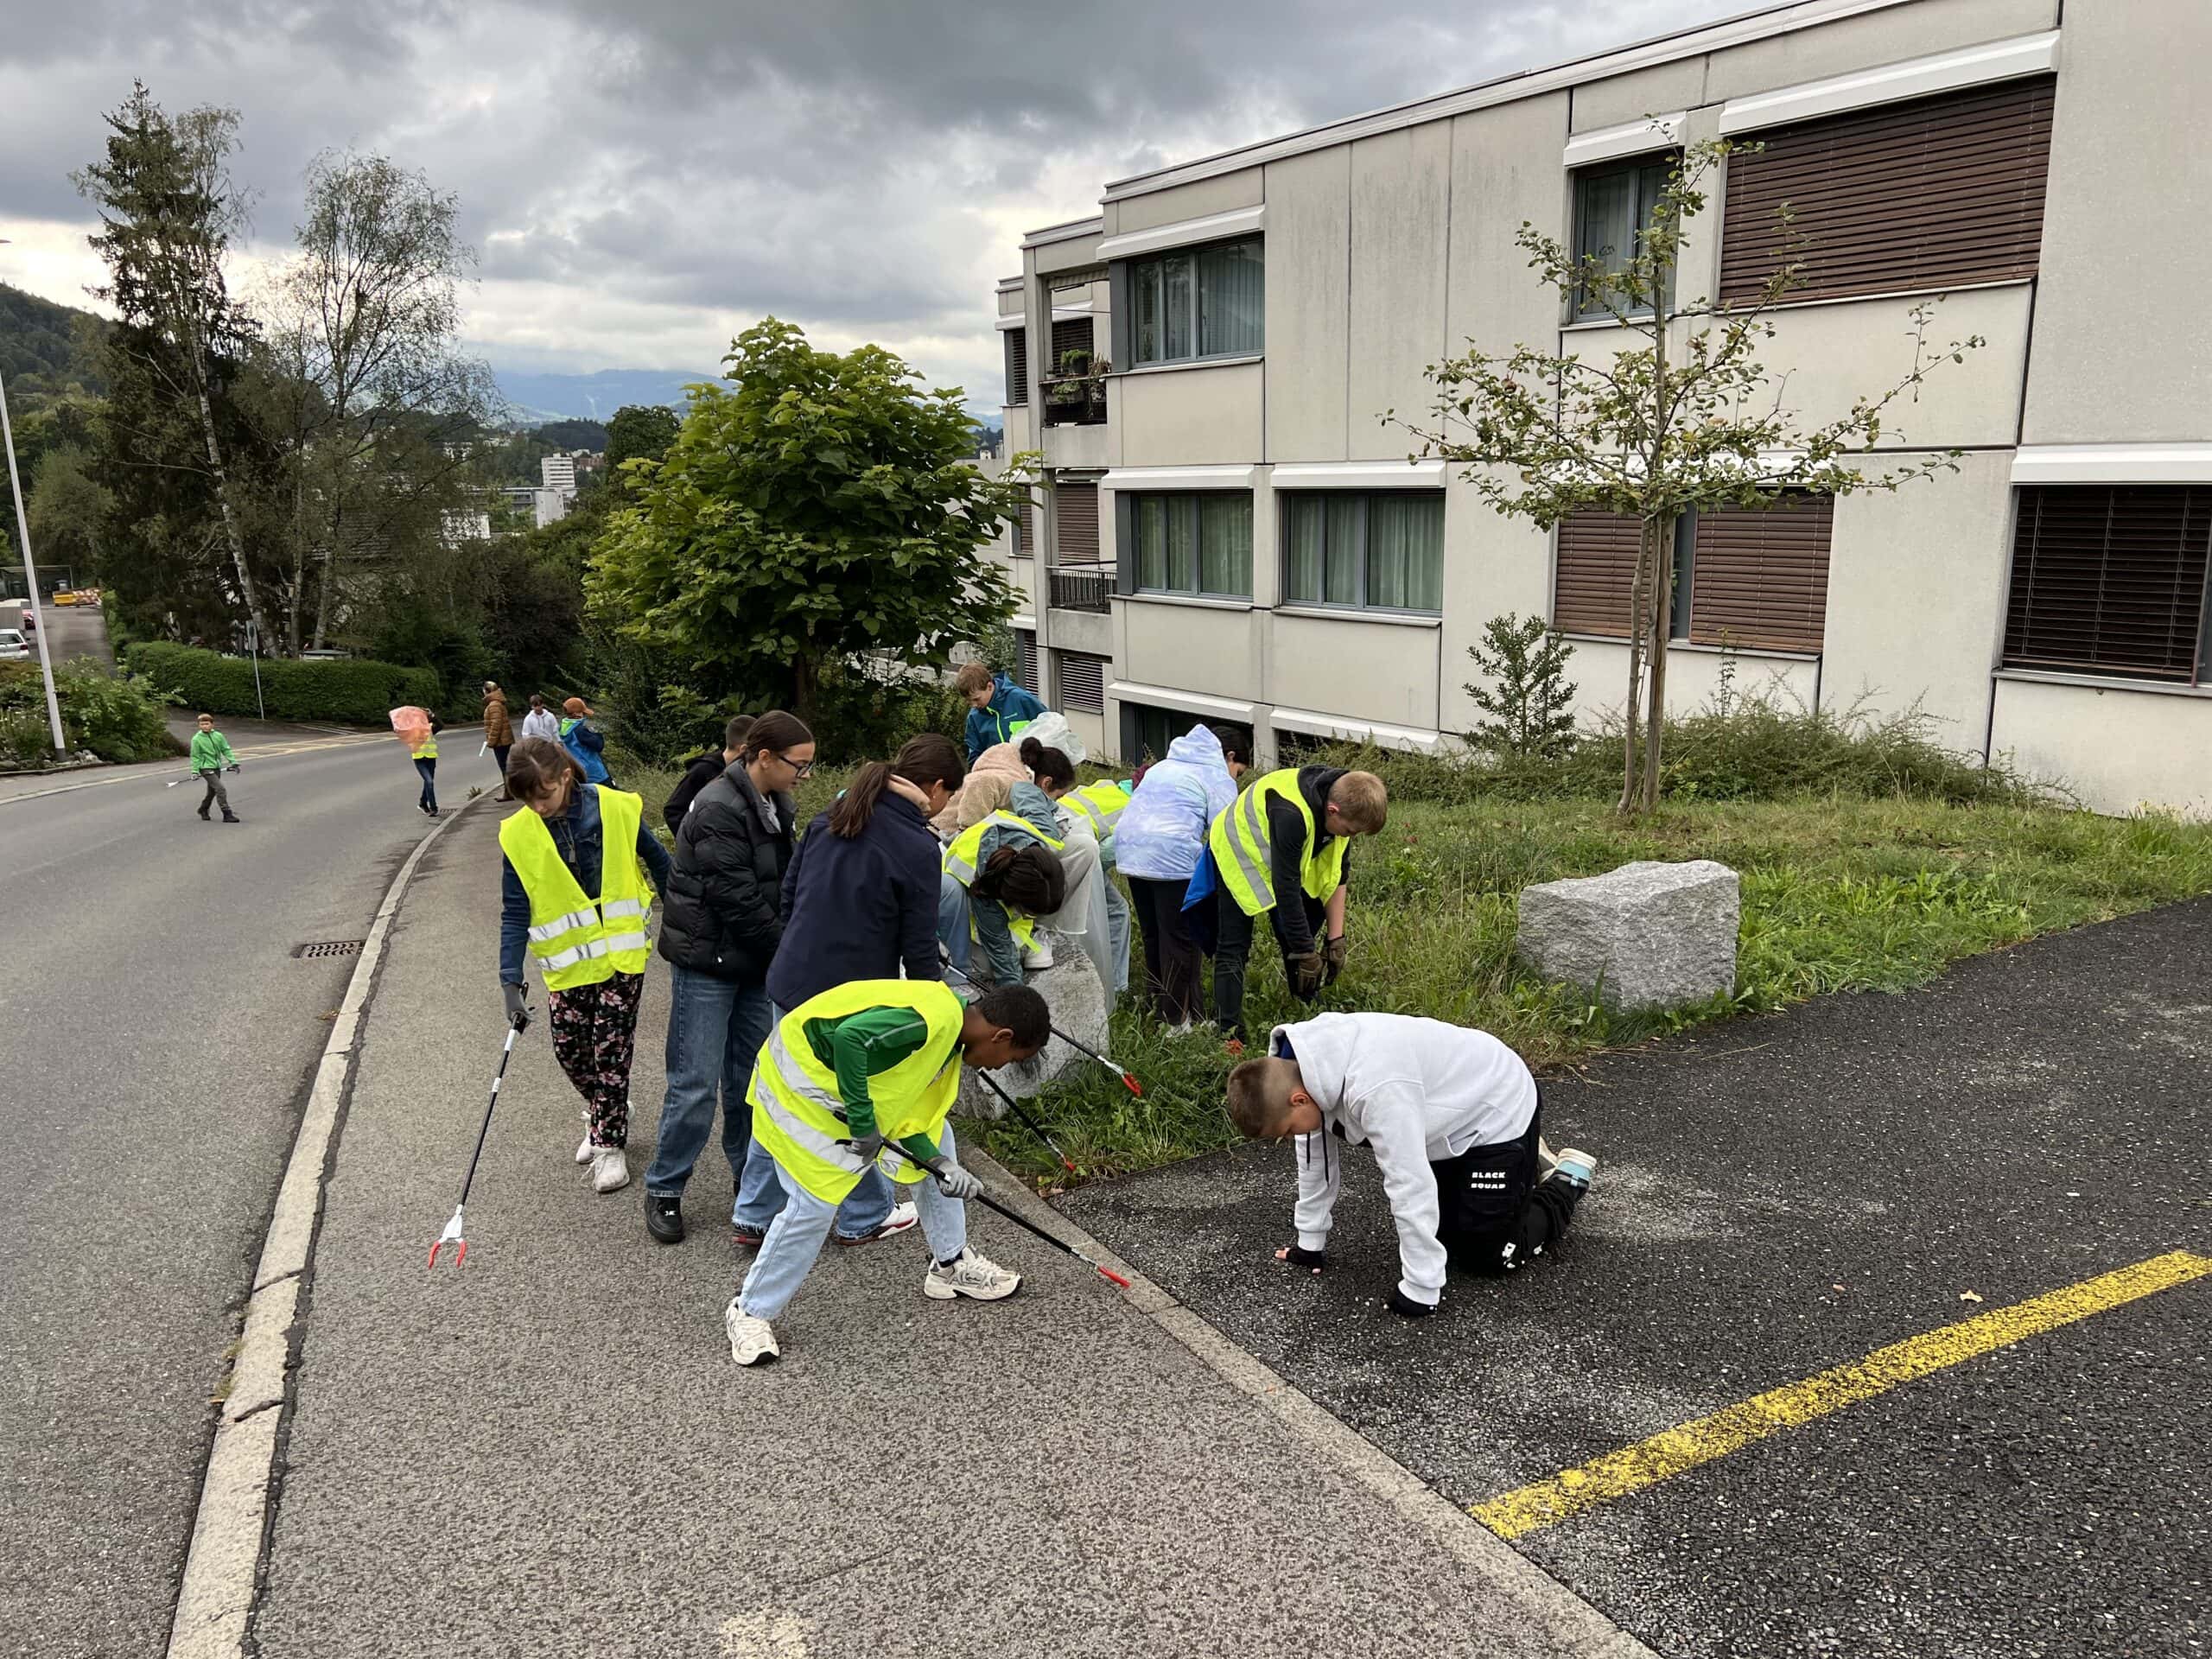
{"x":1759,"y":576}
{"x":2110,"y":581}
{"x":1075,"y":520}
{"x":1079,"y":682}
{"x":1025,"y":658}
{"x":1025,"y":535}
{"x":1069,"y":334}
{"x":1017,"y":365}
{"x":1596,"y":569}
{"x":1934,"y":192}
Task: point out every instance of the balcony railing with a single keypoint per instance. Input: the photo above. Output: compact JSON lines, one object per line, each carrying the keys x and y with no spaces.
{"x":1080,"y":588}
{"x":1076,"y":401}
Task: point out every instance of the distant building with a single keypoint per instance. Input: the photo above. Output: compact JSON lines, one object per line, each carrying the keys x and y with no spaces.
{"x":466,"y":525}
{"x":551,"y":505}
{"x":558,"y":473}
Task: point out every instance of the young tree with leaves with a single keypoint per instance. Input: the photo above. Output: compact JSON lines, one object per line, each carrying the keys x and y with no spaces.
{"x":1524,"y":691}
{"x":820,"y":507}
{"x":1683,"y":419}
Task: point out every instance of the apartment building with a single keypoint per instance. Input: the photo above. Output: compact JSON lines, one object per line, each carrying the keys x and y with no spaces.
{"x":1227,"y":532}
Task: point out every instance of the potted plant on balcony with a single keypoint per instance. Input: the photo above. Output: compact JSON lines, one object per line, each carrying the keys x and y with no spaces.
{"x":1080,"y":386}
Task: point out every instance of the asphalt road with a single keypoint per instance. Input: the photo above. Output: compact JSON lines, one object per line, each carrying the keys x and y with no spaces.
{"x":1783,"y":1196}
{"x":158,"y":1039}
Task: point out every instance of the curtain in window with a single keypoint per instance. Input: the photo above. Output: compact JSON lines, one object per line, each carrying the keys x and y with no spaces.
{"x":1405,"y":552}
{"x":1231,"y":299}
{"x":1176,"y":275}
{"x":1225,"y":544}
{"x":1182,"y":545}
{"x":1148,"y":518}
{"x":1305,"y":539}
{"x":1340,"y":572}
{"x":1146,"y":334}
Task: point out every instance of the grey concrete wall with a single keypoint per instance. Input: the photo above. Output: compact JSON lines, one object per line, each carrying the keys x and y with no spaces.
{"x":1505,"y":168}
{"x":1400,"y":215}
{"x":1367,"y":667}
{"x":1212,"y":649}
{"x":1217,"y":196}
{"x":1659,"y":90}
{"x":1308,"y":278}
{"x":2123,"y":337}
{"x":1880,"y":37}
{"x":2118,"y":749}
{"x":1600,"y":671}
{"x":1194,"y":417}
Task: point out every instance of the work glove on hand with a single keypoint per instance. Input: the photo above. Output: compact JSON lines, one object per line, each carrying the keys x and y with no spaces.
{"x":517,"y":1006}
{"x":234,"y":766}
{"x":952,"y":1180}
{"x":1334,"y":951}
{"x":867,"y":1146}
{"x":1305,"y":975}
{"x":1402,"y":1303}
{"x":1312,"y":1260}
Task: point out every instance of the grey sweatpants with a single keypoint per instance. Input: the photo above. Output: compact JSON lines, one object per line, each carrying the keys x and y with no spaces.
{"x":216,"y":795}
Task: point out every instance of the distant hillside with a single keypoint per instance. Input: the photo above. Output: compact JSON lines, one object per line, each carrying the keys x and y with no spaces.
{"x":537,"y":398}
{"x":44,"y":348}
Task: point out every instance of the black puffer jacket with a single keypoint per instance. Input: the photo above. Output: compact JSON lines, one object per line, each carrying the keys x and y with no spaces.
{"x":725,"y":894}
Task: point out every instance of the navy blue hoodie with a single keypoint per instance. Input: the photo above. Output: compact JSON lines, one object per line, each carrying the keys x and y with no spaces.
{"x":859,"y":909}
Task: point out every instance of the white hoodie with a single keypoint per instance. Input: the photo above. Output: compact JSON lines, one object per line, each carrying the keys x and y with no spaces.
{"x":1418,"y":1091}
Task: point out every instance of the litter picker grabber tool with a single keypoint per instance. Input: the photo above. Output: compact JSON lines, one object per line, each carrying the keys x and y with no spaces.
{"x":1027,"y":1122}
{"x":1128,"y":1078}
{"x":1027,"y":1226}
{"x":452,"y":1234}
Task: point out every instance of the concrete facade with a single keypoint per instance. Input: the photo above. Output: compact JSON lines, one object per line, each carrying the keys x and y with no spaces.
{"x":1388,"y":242}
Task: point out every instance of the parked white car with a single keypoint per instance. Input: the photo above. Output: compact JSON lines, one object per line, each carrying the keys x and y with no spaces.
{"x":14,"y":648}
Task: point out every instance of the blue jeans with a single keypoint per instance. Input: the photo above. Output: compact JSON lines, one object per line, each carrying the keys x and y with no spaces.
{"x":953,"y":921}
{"x":760,"y":1192}
{"x":803,"y":1222}
{"x":715,"y":1027}
{"x":429,"y":796}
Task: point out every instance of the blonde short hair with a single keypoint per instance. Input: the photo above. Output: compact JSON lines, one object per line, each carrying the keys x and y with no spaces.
{"x":1259,"y":1096}
{"x":1362,"y":803}
{"x":972,"y":677}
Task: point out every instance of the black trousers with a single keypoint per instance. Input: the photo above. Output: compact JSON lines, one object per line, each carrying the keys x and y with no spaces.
{"x":1492,"y":1214}
{"x":1233,"y":951}
{"x":1173,"y":977}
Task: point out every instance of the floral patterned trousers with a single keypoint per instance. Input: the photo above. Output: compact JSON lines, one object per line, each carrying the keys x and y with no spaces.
{"x":594,"y":1034}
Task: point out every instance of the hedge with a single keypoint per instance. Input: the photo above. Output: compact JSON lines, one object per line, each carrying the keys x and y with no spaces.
{"x":353,"y":690}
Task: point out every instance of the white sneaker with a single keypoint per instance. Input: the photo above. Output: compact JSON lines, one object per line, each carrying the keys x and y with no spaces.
{"x":752,"y":1342}
{"x":583,"y":1147}
{"x":1547,"y":1160}
{"x":610,"y":1169}
{"x":970,"y":1274}
{"x":1038,"y":956}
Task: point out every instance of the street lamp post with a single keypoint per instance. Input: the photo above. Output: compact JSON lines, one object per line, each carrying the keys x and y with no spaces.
{"x":31,"y":575}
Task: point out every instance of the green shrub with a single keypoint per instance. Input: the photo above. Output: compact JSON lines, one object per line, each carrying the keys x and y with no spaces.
{"x":357,"y":691}
{"x":118,"y":717}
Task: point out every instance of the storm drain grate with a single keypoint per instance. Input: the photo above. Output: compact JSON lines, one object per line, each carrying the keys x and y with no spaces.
{"x":330,"y":948}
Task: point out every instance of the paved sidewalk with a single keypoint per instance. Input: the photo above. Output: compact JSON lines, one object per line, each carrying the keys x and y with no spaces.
{"x":548,"y":1452}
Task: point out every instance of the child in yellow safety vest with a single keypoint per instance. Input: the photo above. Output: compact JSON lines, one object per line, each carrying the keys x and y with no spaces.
{"x":862,"y":1075}
{"x":1002,"y":871}
{"x":1096,"y":915}
{"x":577,"y":858}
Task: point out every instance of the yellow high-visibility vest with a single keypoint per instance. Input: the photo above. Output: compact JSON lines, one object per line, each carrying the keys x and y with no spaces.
{"x":428,"y":749}
{"x":798,"y":1115}
{"x":1101,"y":802}
{"x":1243,"y":848}
{"x":967,"y":851}
{"x":579,"y":940}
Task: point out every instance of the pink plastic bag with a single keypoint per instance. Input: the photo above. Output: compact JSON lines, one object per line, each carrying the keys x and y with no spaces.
{"x":411,"y":726}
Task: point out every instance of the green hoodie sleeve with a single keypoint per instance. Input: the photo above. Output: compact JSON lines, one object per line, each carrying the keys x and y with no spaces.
{"x":861,"y":1045}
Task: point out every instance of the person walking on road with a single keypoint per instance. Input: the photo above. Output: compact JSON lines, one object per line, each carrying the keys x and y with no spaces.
{"x":725,"y":918}
{"x":498,"y":730}
{"x":860,"y":903}
{"x":211,"y":753}
{"x":873,"y":1062}
{"x":1457,"y":1125}
{"x":576,"y":858}
{"x":424,"y":748}
{"x":541,"y":721}
{"x":584,"y":742}
{"x":704,"y":769}
{"x":1157,"y":841}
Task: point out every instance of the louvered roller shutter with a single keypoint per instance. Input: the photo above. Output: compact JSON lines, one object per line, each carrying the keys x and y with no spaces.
{"x":1075,"y":520}
{"x":1930,"y":193}
{"x":1597,"y":570}
{"x":1025,"y":651}
{"x":1080,"y":681}
{"x":1026,"y":538}
{"x":1069,"y":334}
{"x":1017,"y":365}
{"x":2110,"y":581}
{"x":1760,"y":579}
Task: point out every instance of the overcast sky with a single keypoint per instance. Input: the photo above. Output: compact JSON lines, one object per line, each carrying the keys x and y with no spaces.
{"x":642,"y":178}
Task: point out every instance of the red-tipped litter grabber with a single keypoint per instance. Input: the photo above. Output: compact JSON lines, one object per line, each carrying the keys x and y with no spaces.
{"x":1128,"y":1077}
{"x":1026,"y":1225}
{"x":452,"y":1234}
{"x":1027,"y":1122}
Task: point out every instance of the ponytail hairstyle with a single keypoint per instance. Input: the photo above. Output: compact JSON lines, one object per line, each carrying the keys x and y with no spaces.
{"x":1049,"y":768}
{"x":536,"y":764}
{"x":1235,"y":745}
{"x":771,"y":733}
{"x":1029,"y":878}
{"x":932,"y":758}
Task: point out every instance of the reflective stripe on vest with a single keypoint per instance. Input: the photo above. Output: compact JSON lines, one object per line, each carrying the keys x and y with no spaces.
{"x":967,"y":850}
{"x":1243,"y":848}
{"x":798,"y":1115}
{"x":428,"y":749}
{"x":1101,"y":802}
{"x":576,"y":940}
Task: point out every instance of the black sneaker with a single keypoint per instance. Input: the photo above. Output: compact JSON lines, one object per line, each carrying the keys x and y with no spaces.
{"x":664,"y":1217}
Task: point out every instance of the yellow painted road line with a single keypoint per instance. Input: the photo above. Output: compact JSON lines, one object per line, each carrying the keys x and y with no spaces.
{"x":1572,"y":1492}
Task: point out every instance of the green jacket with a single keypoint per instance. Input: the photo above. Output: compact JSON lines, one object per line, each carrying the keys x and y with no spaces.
{"x":860,"y":1044}
{"x":211,"y":752}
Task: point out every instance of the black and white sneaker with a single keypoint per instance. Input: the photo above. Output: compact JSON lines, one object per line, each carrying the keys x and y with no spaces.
{"x":664,"y":1217}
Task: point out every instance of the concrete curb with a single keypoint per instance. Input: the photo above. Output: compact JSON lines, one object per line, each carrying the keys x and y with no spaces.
{"x":1527,"y":1596}
{"x":222,"y":1570}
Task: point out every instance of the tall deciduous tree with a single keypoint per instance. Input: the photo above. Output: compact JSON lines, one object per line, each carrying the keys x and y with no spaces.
{"x":1684,"y":417}
{"x":167,"y":210}
{"x":821,"y":507}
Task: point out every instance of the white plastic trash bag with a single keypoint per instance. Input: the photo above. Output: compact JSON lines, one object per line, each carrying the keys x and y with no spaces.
{"x":1051,"y":729}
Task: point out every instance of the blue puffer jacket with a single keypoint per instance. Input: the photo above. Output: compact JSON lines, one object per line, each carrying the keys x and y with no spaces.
{"x":1162,"y":830}
{"x":1009,"y":706}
